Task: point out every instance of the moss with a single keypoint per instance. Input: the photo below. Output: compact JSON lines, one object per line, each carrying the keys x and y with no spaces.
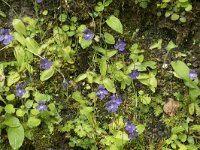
{"x":41,"y":139}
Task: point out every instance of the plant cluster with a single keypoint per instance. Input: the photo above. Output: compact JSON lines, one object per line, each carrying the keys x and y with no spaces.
{"x":112,"y":91}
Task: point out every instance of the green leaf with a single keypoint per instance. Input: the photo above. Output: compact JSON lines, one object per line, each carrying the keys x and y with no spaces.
{"x":20,"y":55}
{"x":2,"y":14}
{"x":157,"y":45}
{"x":46,"y":74}
{"x":20,"y":38}
{"x":68,"y":54}
{"x":182,"y":137}
{"x":62,"y":17}
{"x":20,"y":113}
{"x":33,"y":122}
{"x":29,"y":103}
{"x":103,"y":66}
{"x":109,"y":38}
{"x":195,"y":128}
{"x":140,"y":128}
{"x":12,"y":121}
{"x":143,"y":4}
{"x":115,"y":24}
{"x":9,"y":108}
{"x":32,"y":46}
{"x":78,"y":97}
{"x":145,"y":99}
{"x":171,"y":46}
{"x":12,"y":78}
{"x":197,"y":109}
{"x":10,"y":97}
{"x":180,"y":145}
{"x":19,"y":26}
{"x":191,"y":108}
{"x":188,"y":8}
{"x":177,"y":129}
{"x":168,"y":13}
{"x":174,"y":17}
{"x":84,"y":44}
{"x":183,"y":1}
{"x":182,"y":19}
{"x":181,"y":69}
{"x":194,"y":92}
{"x":110,"y":53}
{"x":109,"y":85}
{"x":87,"y":111}
{"x":81,"y":77}
{"x":38,"y":96}
{"x":15,"y":136}
{"x":99,"y":7}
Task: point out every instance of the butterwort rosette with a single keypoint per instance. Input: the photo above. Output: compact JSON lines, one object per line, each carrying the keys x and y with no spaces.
{"x":132,"y":130}
{"x":88,"y":35}
{"x":5,"y":36}
{"x":45,"y":64}
{"x":41,"y":106}
{"x":192,"y":74}
{"x":20,"y":91}
{"x":134,"y":74}
{"x":114,"y":103}
{"x":102,"y":92}
{"x":120,"y":46}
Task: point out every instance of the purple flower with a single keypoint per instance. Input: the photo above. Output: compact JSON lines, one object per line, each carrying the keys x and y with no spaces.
{"x":129,"y":127}
{"x":45,"y":64}
{"x":5,"y":36}
{"x":41,"y":106}
{"x":114,"y":103}
{"x":134,"y":74}
{"x":132,"y":130}
{"x":88,"y":35}
{"x":39,"y":1}
{"x":102,"y":92}
{"x":20,"y":91}
{"x":192,"y":75}
{"x":133,"y":135}
{"x":120,"y":45}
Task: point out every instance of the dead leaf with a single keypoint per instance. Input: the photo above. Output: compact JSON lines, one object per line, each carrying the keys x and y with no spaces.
{"x":171,"y":107}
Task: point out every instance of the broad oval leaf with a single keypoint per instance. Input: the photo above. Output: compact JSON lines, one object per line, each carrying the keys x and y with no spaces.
{"x":81,"y":77}
{"x":20,"y":38}
{"x":140,"y":128}
{"x":19,"y":26}
{"x":45,"y":75}
{"x":33,"y":122}
{"x":114,"y":23}
{"x":109,"y":38}
{"x":13,"y":78}
{"x":9,"y":108}
{"x":109,"y":85}
{"x":15,"y":136}
{"x":12,"y":121}
{"x":32,"y":46}
{"x":84,"y":44}
{"x":174,"y":17}
{"x":110,"y":53}
{"x":181,"y":69}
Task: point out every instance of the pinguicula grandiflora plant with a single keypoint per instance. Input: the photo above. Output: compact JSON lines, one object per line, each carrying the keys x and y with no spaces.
{"x":92,"y":85}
